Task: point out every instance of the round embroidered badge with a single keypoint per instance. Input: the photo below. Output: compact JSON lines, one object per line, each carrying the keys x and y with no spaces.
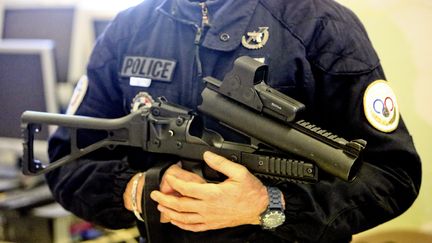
{"x":142,"y":99}
{"x":380,"y":106}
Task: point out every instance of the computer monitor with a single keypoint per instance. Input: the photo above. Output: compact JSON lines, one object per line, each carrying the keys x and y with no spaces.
{"x":91,"y":19}
{"x":1,"y":16}
{"x":27,"y":82}
{"x":99,"y":26}
{"x":34,"y":21}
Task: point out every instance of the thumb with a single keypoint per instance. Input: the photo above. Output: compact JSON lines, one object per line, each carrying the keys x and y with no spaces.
{"x":221,"y":164}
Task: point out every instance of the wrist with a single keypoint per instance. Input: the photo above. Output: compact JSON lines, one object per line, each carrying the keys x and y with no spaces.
{"x":262,"y":205}
{"x":133,"y":194}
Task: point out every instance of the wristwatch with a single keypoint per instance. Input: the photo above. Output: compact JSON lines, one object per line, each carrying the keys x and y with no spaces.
{"x":274,"y":215}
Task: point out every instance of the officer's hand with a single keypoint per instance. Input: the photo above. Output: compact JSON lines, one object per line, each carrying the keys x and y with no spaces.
{"x":238,"y":200}
{"x":175,"y":170}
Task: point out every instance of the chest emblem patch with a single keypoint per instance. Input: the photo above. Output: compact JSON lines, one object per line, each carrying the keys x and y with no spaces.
{"x":380,"y":106}
{"x":142,"y":99}
{"x":256,"y":39}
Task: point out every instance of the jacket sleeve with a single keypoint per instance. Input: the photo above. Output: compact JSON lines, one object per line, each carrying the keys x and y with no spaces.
{"x":92,"y":187}
{"x":344,"y":63}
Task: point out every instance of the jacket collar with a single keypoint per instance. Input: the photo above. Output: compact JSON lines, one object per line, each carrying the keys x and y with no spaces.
{"x":227,"y":17}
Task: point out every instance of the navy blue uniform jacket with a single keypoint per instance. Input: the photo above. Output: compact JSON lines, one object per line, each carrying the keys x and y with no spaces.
{"x":317,"y":51}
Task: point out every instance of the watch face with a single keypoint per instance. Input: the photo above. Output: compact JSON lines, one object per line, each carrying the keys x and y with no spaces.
{"x":273,"y":219}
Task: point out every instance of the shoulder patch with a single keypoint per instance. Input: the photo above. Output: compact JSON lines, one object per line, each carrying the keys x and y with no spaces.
{"x":380,"y":106}
{"x":78,"y":95}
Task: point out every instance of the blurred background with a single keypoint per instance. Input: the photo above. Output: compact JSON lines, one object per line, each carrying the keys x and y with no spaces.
{"x":49,"y":41}
{"x":401,"y":32}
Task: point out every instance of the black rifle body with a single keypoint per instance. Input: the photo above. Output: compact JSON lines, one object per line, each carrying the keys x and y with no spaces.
{"x":294,"y":149}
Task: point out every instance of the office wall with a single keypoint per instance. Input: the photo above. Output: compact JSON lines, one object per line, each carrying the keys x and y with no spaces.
{"x":401,"y":33}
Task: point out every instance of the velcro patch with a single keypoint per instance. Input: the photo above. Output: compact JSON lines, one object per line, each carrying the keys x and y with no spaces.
{"x":380,"y":106}
{"x":148,"y":67}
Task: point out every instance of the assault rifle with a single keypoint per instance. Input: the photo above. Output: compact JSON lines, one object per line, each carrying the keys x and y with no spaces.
{"x":282,"y":146}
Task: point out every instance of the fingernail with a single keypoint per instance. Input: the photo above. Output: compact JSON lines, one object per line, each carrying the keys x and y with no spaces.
{"x":208,"y":155}
{"x":160,"y":208}
{"x":153,"y":195}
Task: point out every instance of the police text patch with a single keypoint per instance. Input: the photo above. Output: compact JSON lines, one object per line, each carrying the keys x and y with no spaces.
{"x":148,"y":67}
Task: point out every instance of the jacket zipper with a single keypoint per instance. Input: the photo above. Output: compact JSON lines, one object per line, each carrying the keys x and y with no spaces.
{"x":205,"y":23}
{"x":205,"y":18}
{"x":200,"y":29}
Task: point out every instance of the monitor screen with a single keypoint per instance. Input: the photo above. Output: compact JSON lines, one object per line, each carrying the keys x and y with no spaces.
{"x":99,"y":26}
{"x":55,"y":23}
{"x":27,"y":82}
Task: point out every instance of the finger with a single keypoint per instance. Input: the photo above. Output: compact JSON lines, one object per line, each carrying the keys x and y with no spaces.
{"x":225,"y":166}
{"x":186,"y":218}
{"x":190,"y":189}
{"x":164,"y":218}
{"x":180,"y":204}
{"x":176,"y":171}
{"x":185,"y":175}
{"x":191,"y":227}
{"x":164,"y":187}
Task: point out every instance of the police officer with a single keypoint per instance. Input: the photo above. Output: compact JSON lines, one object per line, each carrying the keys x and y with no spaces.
{"x":317,"y":52}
